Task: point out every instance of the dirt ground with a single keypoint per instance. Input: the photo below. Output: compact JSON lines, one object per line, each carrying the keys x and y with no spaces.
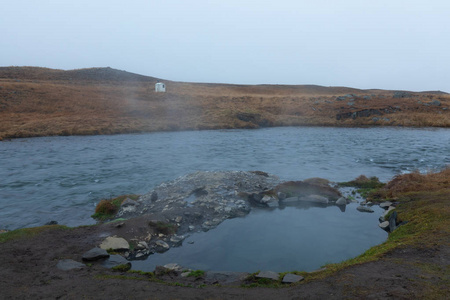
{"x":28,"y":271}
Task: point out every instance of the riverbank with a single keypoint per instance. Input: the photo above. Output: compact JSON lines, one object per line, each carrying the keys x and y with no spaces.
{"x":412,"y":263}
{"x":46,"y":102}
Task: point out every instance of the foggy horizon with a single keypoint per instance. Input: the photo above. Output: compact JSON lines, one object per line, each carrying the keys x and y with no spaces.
{"x":399,"y":45}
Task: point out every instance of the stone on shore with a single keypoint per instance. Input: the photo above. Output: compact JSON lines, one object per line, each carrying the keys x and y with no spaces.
{"x":95,"y":254}
{"x":341,"y":201}
{"x":115,"y":243}
{"x":270,"y":201}
{"x":383,"y":216}
{"x":69,"y":264}
{"x":161,"y":246}
{"x":384,"y":225}
{"x":114,"y":261}
{"x":393,"y":221}
{"x":385,"y":204}
{"x":365,"y":209}
{"x":268,"y":275}
{"x":292,"y":278}
{"x":173,"y":267}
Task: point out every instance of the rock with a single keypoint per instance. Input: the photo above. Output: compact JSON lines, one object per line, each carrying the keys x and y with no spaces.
{"x":385,"y":204}
{"x":69,"y":264}
{"x":310,"y":188}
{"x":185,"y":274}
{"x":51,"y":223}
{"x":281,"y":195}
{"x":154,"y":196}
{"x":178,"y":219}
{"x":365,"y":209}
{"x":177,"y":240}
{"x":161,"y":246}
{"x":393,"y":221}
{"x":383,"y":216}
{"x":95,"y":254}
{"x":161,"y":271}
{"x":226,"y":278}
{"x":314,"y":198}
{"x":173,"y":267}
{"x":269,"y":201}
{"x":4,"y":230}
{"x":191,"y":227}
{"x":142,"y":245}
{"x":119,"y":225}
{"x":436,"y":102}
{"x":384,"y":225}
{"x":114,"y":261}
{"x":129,"y":202}
{"x":268,"y":274}
{"x":400,"y":94}
{"x":341,"y":201}
{"x":115,"y":243}
{"x":292,"y":278}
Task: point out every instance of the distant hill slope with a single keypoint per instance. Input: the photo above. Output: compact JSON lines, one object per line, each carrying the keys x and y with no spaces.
{"x":41,"y":102}
{"x":89,"y":74}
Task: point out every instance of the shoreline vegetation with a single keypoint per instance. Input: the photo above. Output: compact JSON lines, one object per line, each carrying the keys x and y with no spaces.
{"x":412,"y":263}
{"x":47,"y":102}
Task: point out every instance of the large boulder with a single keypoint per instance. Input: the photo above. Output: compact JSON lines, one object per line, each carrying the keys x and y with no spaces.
{"x":115,"y":243}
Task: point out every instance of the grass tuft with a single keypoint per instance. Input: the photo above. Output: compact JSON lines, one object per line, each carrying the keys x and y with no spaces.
{"x":107,"y":209}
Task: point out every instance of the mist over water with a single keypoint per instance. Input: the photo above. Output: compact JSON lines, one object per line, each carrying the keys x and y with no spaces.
{"x":63,"y":178}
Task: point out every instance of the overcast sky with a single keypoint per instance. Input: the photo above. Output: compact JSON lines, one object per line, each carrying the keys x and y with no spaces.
{"x":388,"y":44}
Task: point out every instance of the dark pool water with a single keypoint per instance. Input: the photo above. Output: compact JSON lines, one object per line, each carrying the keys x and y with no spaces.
{"x":63,"y":178}
{"x":289,"y":239}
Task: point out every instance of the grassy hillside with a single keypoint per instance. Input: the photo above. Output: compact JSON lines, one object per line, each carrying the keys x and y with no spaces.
{"x":41,"y":102}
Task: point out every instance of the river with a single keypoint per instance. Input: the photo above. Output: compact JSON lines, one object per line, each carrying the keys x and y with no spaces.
{"x":63,"y":178}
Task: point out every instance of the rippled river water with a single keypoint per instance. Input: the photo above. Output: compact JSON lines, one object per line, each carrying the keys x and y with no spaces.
{"x":62,"y":178}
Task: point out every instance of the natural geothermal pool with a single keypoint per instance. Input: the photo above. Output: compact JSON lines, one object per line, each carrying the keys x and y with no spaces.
{"x":288,"y":239}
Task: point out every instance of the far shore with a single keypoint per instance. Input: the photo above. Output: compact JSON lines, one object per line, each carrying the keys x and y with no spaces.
{"x":45,"y":102}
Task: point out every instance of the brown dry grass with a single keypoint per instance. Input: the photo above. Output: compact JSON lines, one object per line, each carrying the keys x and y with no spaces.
{"x":416,"y":182}
{"x":42,"y":102}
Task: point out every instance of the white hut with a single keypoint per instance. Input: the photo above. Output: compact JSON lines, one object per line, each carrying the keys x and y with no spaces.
{"x":160,"y":87}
